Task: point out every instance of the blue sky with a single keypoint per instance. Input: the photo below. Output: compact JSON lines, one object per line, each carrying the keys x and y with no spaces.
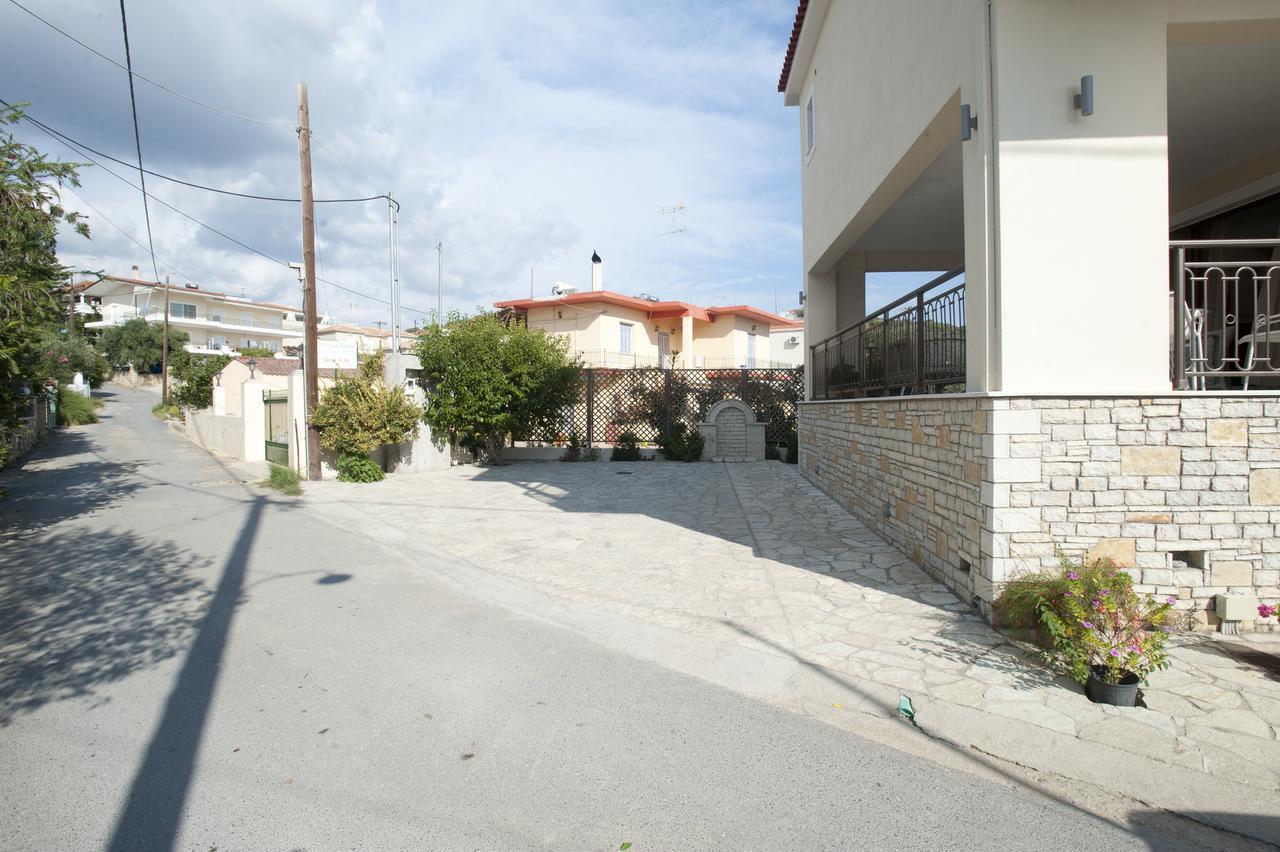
{"x":519,"y":134}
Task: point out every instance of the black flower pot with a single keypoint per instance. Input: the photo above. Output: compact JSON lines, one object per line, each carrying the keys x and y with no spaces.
{"x":1122,"y":694}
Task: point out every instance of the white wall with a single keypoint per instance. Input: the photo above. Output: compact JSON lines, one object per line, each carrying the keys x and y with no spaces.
{"x":220,"y":434}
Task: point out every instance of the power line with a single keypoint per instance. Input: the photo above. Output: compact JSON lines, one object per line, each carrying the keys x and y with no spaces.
{"x":128,"y":68}
{"x":87,"y":203}
{"x":60,"y":135}
{"x":226,"y":236}
{"x":137,"y":139}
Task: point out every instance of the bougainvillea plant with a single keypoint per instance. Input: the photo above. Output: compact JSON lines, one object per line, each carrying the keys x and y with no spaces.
{"x":1096,"y":620}
{"x":1266,"y":610}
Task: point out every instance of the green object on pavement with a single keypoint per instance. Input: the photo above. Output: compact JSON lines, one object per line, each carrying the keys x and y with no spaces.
{"x":905,"y":709}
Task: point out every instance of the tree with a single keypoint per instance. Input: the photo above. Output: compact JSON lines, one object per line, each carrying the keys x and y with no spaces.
{"x":486,"y":380}
{"x":361,"y":413}
{"x":63,"y":355}
{"x":30,"y":212}
{"x":139,"y":344}
{"x":194,"y":374}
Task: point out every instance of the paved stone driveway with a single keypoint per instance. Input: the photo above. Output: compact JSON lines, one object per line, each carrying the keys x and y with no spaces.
{"x":752,"y":554}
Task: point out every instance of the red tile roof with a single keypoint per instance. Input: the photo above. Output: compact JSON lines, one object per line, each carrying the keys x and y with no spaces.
{"x":791,"y":46}
{"x":654,"y":310}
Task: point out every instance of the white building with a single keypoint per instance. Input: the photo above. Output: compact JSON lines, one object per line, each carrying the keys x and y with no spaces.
{"x":216,"y":323}
{"x":1087,"y":376}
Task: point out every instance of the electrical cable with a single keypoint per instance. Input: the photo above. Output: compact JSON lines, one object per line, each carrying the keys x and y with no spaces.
{"x":87,"y":203}
{"x":145,"y":79}
{"x":137,"y":139}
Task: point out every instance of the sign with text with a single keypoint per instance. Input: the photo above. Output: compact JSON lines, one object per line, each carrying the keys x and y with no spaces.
{"x":336,"y":354}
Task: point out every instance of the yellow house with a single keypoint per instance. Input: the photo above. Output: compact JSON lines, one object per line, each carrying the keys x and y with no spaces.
{"x":608,"y":329}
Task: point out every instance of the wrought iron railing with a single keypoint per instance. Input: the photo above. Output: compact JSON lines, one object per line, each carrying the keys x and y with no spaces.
{"x":912,"y":345}
{"x":1225,"y":313}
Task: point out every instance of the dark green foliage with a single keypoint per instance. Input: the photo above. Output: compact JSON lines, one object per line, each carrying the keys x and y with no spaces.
{"x":771,"y":452}
{"x":486,"y":379}
{"x":140,"y":344}
{"x":284,"y":479}
{"x":76,"y":410}
{"x":793,"y":448}
{"x":353,"y":468}
{"x":627,"y":448}
{"x":30,"y":213}
{"x":361,"y":413}
{"x":682,"y":444}
{"x":64,"y":355}
{"x":255,"y":352}
{"x":576,"y":451}
{"x":194,"y":375}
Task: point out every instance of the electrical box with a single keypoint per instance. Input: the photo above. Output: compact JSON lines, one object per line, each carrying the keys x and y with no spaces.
{"x":1236,"y":607}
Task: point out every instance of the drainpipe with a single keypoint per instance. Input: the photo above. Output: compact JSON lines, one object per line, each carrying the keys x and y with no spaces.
{"x":994,"y":379}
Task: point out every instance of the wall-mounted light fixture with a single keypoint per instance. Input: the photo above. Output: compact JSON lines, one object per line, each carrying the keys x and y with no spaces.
{"x":968,"y":122}
{"x":1083,"y":99}
{"x":753,"y":327}
{"x":252,"y":364}
{"x":559,"y":314}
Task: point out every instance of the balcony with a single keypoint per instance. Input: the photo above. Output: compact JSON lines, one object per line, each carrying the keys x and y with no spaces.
{"x":1226,"y":336}
{"x":913,"y":345}
{"x":116,"y":314}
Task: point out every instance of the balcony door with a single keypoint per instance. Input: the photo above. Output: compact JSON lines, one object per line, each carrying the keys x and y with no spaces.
{"x":664,"y":350}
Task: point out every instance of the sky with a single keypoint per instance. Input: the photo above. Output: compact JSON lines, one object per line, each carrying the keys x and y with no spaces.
{"x":522,"y":136}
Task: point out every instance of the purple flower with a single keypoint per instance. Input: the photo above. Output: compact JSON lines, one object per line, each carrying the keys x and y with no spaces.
{"x":1170,"y":600}
{"x":1114,"y":652}
{"x":1088,"y":624}
{"x":1072,"y":575}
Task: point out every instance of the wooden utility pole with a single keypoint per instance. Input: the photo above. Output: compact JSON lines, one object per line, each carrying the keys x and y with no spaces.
{"x":164,"y":347}
{"x":311,"y":359}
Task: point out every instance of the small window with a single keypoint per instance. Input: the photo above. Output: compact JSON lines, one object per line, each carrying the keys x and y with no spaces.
{"x":179,"y":310}
{"x":809,"y":135}
{"x":624,"y":339}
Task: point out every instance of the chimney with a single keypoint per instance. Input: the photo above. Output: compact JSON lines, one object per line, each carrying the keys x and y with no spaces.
{"x":135,"y":272}
{"x":597,"y":272}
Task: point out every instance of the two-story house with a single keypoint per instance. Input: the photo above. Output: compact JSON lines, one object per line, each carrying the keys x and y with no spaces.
{"x":610,"y":329}
{"x":1097,"y":185}
{"x":216,"y":323}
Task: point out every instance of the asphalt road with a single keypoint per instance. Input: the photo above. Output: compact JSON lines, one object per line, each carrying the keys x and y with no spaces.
{"x":190,"y":663}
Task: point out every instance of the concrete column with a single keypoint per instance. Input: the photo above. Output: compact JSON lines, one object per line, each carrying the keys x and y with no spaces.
{"x":255,"y":425}
{"x":820,"y":318}
{"x":686,"y":341}
{"x":851,"y":289}
{"x":298,"y":420}
{"x":219,"y":401}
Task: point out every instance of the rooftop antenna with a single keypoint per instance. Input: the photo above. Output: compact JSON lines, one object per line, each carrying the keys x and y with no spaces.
{"x":676,"y":229}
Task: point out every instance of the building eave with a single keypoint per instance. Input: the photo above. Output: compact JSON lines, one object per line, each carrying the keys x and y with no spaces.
{"x":804,"y":38}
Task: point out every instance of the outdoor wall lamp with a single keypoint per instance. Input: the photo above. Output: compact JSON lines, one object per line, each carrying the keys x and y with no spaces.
{"x":968,"y":122}
{"x":1083,"y":99}
{"x":252,"y":364}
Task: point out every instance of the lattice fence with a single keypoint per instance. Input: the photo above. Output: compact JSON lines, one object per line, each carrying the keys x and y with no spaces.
{"x":649,"y":402}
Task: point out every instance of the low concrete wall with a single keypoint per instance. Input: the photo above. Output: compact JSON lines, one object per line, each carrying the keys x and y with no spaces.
{"x":222,"y":435}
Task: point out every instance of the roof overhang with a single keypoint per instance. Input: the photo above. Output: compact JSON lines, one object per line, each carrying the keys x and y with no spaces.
{"x":804,"y":39}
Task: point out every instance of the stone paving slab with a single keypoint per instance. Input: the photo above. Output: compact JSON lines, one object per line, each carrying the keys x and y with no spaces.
{"x":756,"y":556}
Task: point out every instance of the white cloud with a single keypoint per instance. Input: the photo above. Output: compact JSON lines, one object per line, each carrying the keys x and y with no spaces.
{"x":516,"y":133}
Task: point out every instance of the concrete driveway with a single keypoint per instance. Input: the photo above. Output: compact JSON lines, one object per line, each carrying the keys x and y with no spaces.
{"x":190,"y":662}
{"x":748,"y":575}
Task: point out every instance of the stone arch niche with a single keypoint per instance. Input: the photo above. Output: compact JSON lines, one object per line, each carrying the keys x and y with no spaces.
{"x":731,"y":433}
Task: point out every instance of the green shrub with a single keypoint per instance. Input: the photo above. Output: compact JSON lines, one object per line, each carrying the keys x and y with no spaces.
{"x":361,"y":413}
{"x":627,"y":448}
{"x":194,"y":375}
{"x":793,"y":448}
{"x":576,"y":451}
{"x":166,"y":411}
{"x":74,"y":409}
{"x":771,"y":452}
{"x":353,"y":468}
{"x":284,"y":479}
{"x":255,"y":352}
{"x":682,"y":444}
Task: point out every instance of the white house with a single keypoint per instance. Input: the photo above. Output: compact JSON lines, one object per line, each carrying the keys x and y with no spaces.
{"x":217,"y":323}
{"x":1097,"y":185}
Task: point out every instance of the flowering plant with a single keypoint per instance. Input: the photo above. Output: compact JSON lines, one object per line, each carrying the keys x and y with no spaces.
{"x":1266,"y":611}
{"x":1102,"y":625}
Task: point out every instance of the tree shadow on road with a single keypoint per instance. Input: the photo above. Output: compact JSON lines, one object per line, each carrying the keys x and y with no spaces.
{"x":81,"y":609}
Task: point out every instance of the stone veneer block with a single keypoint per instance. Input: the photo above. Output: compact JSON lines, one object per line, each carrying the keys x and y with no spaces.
{"x":1264,"y":487}
{"x":1122,"y":552}
{"x":1232,"y":573}
{"x":1150,"y":461}
{"x":1228,"y":433}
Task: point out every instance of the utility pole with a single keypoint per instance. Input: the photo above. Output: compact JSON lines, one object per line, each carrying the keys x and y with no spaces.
{"x":439,"y":284}
{"x":393,"y":217}
{"x":164,"y":347}
{"x":311,"y":359}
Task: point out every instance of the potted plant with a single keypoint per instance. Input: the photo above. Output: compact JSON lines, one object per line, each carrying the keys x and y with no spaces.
{"x":1108,"y":636}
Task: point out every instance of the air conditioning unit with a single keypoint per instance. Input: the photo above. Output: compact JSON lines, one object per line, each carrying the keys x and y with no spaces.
{"x":793,"y":340}
{"x":563,"y":289}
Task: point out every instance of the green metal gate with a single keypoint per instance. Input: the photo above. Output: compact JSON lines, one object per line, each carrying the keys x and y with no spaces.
{"x":276,"y":407}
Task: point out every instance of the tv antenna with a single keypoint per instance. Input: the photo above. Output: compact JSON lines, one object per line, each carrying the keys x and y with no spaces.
{"x":676,"y":229}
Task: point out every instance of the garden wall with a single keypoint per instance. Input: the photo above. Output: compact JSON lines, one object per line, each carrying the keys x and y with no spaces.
{"x":223,"y":435}
{"x":1182,"y":490}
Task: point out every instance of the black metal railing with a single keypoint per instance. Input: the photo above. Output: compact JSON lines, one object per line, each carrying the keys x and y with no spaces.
{"x":1225,"y":314}
{"x":912,"y":345}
